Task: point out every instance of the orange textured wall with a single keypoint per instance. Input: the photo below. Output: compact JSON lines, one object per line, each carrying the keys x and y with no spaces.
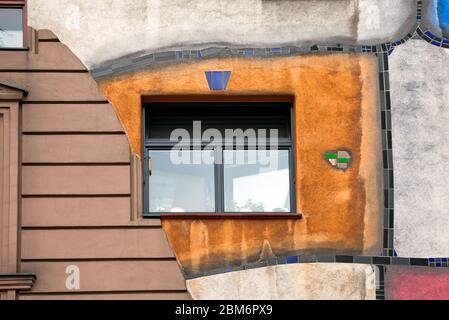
{"x":335,"y":107}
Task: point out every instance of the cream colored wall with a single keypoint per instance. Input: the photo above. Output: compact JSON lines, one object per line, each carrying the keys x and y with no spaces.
{"x":292,"y":281}
{"x":100,"y":31}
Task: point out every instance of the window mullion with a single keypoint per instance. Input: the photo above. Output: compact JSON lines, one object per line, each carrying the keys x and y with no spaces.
{"x":219,"y":183}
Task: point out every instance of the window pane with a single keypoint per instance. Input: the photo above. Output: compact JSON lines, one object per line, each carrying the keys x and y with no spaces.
{"x":11,"y":29}
{"x":256,"y":181}
{"x":182,"y":181}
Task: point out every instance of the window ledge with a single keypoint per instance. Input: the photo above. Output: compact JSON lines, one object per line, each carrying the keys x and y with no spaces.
{"x":231,"y":216}
{"x":16,"y":281}
{"x":14,"y":49}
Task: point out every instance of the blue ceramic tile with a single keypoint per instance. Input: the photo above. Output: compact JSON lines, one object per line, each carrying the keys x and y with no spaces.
{"x":226,"y":77}
{"x":292,"y":259}
{"x":443,"y":16}
{"x":429,"y":34}
{"x":248,"y":53}
{"x":218,"y":80}
{"x":209,"y":79}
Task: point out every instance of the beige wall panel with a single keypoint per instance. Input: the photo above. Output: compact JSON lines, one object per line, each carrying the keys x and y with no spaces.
{"x":104,"y":276}
{"x":95,"y":244}
{"x":110,"y":296}
{"x":45,"y":34}
{"x":75,"y":180}
{"x":51,"y":56}
{"x":75,"y":148}
{"x":318,"y":281}
{"x":70,"y":118}
{"x":82,"y":212}
{"x":51,"y":86}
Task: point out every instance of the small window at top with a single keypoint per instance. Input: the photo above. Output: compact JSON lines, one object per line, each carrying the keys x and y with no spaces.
{"x":12,"y":24}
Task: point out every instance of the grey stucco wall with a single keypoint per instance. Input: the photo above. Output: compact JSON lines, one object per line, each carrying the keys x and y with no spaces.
{"x":100,"y":31}
{"x":420,"y":114}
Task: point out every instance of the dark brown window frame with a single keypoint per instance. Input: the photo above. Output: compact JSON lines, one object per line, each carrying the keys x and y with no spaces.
{"x":18,"y":4}
{"x":148,"y":99}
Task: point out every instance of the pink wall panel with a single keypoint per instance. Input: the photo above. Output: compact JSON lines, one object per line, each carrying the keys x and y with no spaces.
{"x":416,"y":283}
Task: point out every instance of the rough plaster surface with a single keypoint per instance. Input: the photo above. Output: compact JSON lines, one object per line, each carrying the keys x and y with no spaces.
{"x":100,"y":31}
{"x":420,"y":115}
{"x":336,"y":106}
{"x":294,"y":282}
{"x":416,"y":283}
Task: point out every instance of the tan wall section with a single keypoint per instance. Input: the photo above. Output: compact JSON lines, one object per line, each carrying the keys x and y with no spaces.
{"x":75,"y":180}
{"x":95,"y":244}
{"x":76,"y":176}
{"x":75,"y":149}
{"x":78,"y":211}
{"x":53,"y":118}
{"x":55,"y":86}
{"x":336,"y":106}
{"x":181,"y":295}
{"x":104,"y":276}
{"x":289,"y":282}
{"x":52,"y":56}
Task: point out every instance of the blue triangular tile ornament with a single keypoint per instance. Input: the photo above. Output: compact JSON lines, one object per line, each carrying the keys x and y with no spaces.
{"x":218,"y":80}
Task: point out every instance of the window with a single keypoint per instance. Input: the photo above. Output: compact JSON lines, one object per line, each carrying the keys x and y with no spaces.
{"x":218,"y":158}
{"x":12,"y":24}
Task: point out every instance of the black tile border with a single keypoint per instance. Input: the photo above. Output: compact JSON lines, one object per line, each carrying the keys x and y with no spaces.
{"x":343,"y":259}
{"x":387,"y":150}
{"x":131,"y":64}
{"x":425,"y":33}
{"x":380,"y":282}
{"x":382,"y":51}
{"x":388,"y":256}
{"x":379,"y":264}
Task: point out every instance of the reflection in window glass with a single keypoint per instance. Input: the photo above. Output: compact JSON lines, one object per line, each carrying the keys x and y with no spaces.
{"x":184,"y":187}
{"x":256,"y":181}
{"x":11,"y":28}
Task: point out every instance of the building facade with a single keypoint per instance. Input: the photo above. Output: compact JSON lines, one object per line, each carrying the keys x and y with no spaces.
{"x":347,"y":99}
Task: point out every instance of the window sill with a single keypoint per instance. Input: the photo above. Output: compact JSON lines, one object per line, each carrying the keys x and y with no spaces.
{"x":14,"y":49}
{"x":224,"y":216}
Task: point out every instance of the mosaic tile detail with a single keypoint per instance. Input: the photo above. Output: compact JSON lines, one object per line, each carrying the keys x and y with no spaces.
{"x":419,"y":13}
{"x":126,"y":65}
{"x":371,"y":260}
{"x":218,"y":80}
{"x":380,"y":282}
{"x":439,"y":262}
{"x":427,"y":35}
{"x":387,"y":150}
{"x":340,"y":159}
{"x":379,"y":263}
{"x":132,"y":64}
